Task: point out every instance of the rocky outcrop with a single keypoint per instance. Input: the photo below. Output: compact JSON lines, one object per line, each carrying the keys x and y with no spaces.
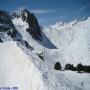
{"x":34,"y":28}
{"x":7,"y":26}
{"x":1,"y":40}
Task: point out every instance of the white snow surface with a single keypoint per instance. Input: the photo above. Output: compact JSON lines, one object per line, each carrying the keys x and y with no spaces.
{"x":17,"y":69}
{"x":72,"y":40}
{"x":23,"y":68}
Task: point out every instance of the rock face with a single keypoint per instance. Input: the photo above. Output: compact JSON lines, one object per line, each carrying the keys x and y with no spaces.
{"x":7,"y":28}
{"x":1,"y":40}
{"x":8,"y":31}
{"x":34,"y":28}
{"x":5,"y":18}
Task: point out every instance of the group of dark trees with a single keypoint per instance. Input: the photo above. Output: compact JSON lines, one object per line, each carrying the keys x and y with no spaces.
{"x":70,"y":67}
{"x":57,"y":66}
{"x":79,"y":68}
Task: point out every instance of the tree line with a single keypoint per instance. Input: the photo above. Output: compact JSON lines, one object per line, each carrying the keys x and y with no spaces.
{"x":79,"y":67}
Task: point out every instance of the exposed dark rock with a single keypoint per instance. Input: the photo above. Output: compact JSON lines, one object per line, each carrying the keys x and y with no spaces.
{"x":12,"y":33}
{"x":57,"y":66}
{"x":27,"y":45}
{"x":1,"y":40}
{"x":34,"y":28}
{"x":70,"y":67}
{"x":7,"y":25}
{"x":41,"y":56}
{"x":4,"y":29}
{"x":5,"y":18}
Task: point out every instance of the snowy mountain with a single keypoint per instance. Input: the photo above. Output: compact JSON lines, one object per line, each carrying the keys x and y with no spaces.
{"x":28,"y":53}
{"x":72,"y":39}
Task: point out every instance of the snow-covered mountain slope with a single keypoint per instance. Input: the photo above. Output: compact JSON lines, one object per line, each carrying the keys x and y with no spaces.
{"x":17,"y":69}
{"x":28,"y":53}
{"x":73,"y":43}
{"x":30,"y":30}
{"x":72,"y":40}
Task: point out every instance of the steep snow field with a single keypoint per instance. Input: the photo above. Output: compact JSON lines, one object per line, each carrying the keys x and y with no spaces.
{"x":17,"y":69}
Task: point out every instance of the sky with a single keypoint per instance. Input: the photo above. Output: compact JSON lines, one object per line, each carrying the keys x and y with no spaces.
{"x":49,"y":12}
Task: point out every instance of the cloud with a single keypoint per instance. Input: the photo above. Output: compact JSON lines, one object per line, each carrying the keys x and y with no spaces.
{"x":36,"y":11}
{"x":51,"y":19}
{"x":82,"y":8}
{"x":41,"y":11}
{"x":21,"y":8}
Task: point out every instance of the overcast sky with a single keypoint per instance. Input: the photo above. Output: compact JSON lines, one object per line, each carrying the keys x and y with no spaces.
{"x":50,"y":11}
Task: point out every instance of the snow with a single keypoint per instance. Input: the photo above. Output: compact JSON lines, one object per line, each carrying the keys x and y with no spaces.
{"x":23,"y":68}
{"x":69,"y":38}
{"x":73,"y":42}
{"x":17,"y":69}
{"x":21,"y":27}
{"x":78,"y":78}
